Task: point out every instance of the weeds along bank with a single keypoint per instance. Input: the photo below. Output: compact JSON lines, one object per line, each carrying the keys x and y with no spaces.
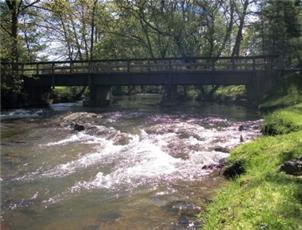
{"x":259,"y":194}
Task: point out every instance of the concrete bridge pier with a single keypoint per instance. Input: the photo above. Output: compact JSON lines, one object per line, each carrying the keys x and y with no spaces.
{"x":170,"y":93}
{"x":37,"y":96}
{"x":99,"y":95}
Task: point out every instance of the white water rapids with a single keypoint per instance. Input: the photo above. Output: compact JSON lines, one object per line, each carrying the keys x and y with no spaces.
{"x":52,"y":165}
{"x":167,"y":149}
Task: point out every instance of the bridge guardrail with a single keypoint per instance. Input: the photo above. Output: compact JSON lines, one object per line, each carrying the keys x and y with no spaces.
{"x":189,"y":64}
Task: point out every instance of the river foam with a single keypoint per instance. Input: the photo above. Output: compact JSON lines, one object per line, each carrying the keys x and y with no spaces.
{"x":165,"y":149}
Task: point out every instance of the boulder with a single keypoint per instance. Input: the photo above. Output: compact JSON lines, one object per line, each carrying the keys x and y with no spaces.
{"x":178,"y":149}
{"x":78,"y":117}
{"x":234,"y":170}
{"x":78,"y":127}
{"x":292,"y":167}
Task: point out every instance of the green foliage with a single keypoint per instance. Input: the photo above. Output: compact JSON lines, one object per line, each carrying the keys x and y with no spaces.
{"x":281,"y":24}
{"x":231,"y":91}
{"x":65,"y":94}
{"x":287,"y":92}
{"x":94,"y":29}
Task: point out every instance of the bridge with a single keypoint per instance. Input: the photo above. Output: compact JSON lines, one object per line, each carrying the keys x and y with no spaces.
{"x":253,"y":71}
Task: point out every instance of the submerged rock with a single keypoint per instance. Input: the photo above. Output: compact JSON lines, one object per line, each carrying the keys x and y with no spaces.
{"x":184,"y":208}
{"x":184,"y":222}
{"x":121,"y":139}
{"x":91,"y":227}
{"x":178,"y":149}
{"x":214,"y":166}
{"x":109,"y":217}
{"x":187,"y":214}
{"x":292,"y":167}
{"x":222,"y":149}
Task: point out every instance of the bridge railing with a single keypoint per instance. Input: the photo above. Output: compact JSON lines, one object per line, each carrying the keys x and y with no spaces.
{"x":190,"y":64}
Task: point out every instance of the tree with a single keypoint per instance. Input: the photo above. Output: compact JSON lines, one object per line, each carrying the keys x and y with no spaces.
{"x":282,"y":21}
{"x":14,"y":9}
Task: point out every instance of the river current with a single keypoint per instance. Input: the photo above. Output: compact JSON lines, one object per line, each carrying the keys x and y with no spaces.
{"x":135,"y":165}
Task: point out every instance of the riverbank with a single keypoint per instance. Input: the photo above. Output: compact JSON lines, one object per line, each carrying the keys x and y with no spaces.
{"x":263,"y":197}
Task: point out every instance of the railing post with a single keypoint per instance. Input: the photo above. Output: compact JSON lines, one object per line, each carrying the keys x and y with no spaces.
{"x":213,"y":64}
{"x":233,"y":64}
{"x":52,"y":75}
{"x":148,"y":65}
{"x":37,"y":69}
{"x":22,"y":68}
{"x":128,"y":66}
{"x":52,"y":68}
{"x":89,"y":67}
{"x":254,"y":64}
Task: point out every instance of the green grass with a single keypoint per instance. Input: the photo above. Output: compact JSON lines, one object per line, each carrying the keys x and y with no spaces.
{"x":283,"y":121}
{"x":262,"y":198}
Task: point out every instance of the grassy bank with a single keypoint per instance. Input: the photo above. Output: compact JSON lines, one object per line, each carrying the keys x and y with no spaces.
{"x":263,"y":197}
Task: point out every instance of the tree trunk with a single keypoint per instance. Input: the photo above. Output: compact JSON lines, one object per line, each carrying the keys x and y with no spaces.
{"x":236,"y":49}
{"x":14,"y":30}
{"x":92,"y":28}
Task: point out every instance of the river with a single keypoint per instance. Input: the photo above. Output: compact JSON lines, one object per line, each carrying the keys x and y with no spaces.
{"x":136,"y":165}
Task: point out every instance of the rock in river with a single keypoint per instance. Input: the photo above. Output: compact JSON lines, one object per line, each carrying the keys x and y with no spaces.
{"x":78,"y":118}
{"x":78,"y":127}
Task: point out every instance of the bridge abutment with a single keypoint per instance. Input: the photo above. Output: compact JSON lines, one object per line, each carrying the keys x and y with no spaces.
{"x":258,"y":86}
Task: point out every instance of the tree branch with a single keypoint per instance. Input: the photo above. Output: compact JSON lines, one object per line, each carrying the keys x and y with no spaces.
{"x":29,"y":5}
{"x":9,"y":4}
{"x":7,"y":31}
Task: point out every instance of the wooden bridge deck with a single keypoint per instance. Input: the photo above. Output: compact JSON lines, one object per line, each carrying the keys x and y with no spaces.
{"x":192,"y":70}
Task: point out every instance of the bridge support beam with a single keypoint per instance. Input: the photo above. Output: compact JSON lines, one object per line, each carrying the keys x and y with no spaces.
{"x":99,"y":95}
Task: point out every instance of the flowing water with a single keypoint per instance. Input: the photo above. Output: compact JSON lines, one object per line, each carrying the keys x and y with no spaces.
{"x":136,"y":165}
